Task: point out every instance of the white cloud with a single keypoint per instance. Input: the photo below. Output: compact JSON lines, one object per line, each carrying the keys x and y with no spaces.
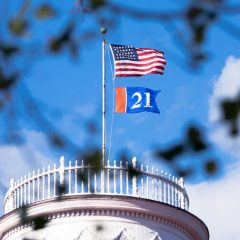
{"x":18,"y":160}
{"x":132,"y":146}
{"x":227,"y":85}
{"x":86,"y":110}
{"x":216,"y":203}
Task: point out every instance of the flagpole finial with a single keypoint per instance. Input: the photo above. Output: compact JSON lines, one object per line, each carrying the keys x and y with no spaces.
{"x":103,"y":30}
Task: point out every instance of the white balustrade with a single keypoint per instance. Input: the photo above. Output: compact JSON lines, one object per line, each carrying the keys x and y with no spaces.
{"x":80,"y":179}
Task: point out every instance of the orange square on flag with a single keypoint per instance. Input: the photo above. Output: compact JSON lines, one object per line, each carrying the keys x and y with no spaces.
{"x":120,"y":99}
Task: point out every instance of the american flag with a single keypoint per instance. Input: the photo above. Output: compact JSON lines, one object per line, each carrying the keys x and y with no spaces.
{"x":131,"y":61}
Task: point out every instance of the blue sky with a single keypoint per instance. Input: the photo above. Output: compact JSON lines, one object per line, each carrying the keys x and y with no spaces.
{"x":69,"y":91}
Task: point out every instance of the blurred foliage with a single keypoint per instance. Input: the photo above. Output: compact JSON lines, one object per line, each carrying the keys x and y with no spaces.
{"x":192,"y":144}
{"x":230,"y":114}
{"x":211,"y":166}
{"x":39,"y":221}
{"x":8,"y":50}
{"x":45,"y":11}
{"x":7,"y":82}
{"x":18,"y":26}
{"x":64,"y":39}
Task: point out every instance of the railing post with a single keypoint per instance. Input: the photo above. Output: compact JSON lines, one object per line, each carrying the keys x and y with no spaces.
{"x":166,"y":188}
{"x":152,"y":183}
{"x":174,"y":192}
{"x":54,"y":180}
{"x":69,"y":178}
{"x":170,"y":190}
{"x":25,"y":190}
{"x":21,"y":192}
{"x":9,"y":204}
{"x":142,"y":182}
{"x":18,"y":194}
{"x":75,"y":178}
{"x":82,"y":172}
{"x":102,"y":179}
{"x":43,"y":183}
{"x":121,"y":179}
{"x":108,"y":177}
{"x":157,"y":186}
{"x":29,"y":188}
{"x":162,"y":187}
{"x":49,"y":182}
{"x":134,"y":179}
{"x":88,"y":178}
{"x":33,"y":187}
{"x":114,"y":178}
{"x":181,"y":183}
{"x":147,"y":184}
{"x":12,"y":200}
{"x":61,"y":171}
{"x":38,"y":185}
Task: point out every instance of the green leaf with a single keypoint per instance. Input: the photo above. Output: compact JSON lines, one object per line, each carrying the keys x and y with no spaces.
{"x":188,"y":172}
{"x":199,"y":33}
{"x":171,"y":153}
{"x":94,"y":159}
{"x":96,"y":4}
{"x":39,"y":222}
{"x":8,"y":50}
{"x":194,"y":138}
{"x":64,"y":38}
{"x":2,"y":103}
{"x":211,"y":166}
{"x":57,"y":140}
{"x":45,"y":11}
{"x":230,"y":109}
{"x":18,"y":26}
{"x":194,"y":12}
{"x":7,"y":82}
{"x":234,"y":128}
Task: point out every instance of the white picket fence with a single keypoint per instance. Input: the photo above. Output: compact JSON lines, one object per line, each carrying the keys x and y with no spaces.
{"x":80,"y":179}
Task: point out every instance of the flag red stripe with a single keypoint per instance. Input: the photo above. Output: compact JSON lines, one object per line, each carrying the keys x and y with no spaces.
{"x":132,"y":72}
{"x":152,"y":54}
{"x":139,"y":70}
{"x":140,"y":64}
{"x":142,"y":59}
{"x":136,"y":74}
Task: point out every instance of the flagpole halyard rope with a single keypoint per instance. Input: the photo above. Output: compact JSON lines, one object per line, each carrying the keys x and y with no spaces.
{"x":113,"y":77}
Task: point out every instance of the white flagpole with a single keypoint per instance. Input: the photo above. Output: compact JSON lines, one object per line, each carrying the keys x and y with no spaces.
{"x":103,"y":31}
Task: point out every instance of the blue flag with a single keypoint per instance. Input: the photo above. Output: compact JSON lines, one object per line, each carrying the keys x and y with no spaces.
{"x":136,"y":99}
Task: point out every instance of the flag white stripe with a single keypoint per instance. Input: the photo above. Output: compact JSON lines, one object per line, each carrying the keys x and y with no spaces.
{"x":151,"y":54}
{"x":140,"y":67}
{"x":140,"y":63}
{"x":140,"y":50}
{"x":139,"y":72}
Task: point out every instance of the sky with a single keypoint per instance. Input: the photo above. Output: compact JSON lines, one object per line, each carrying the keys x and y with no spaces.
{"x":69,"y":93}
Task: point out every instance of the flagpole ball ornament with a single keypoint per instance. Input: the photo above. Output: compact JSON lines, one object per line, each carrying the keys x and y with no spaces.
{"x":103,"y":30}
